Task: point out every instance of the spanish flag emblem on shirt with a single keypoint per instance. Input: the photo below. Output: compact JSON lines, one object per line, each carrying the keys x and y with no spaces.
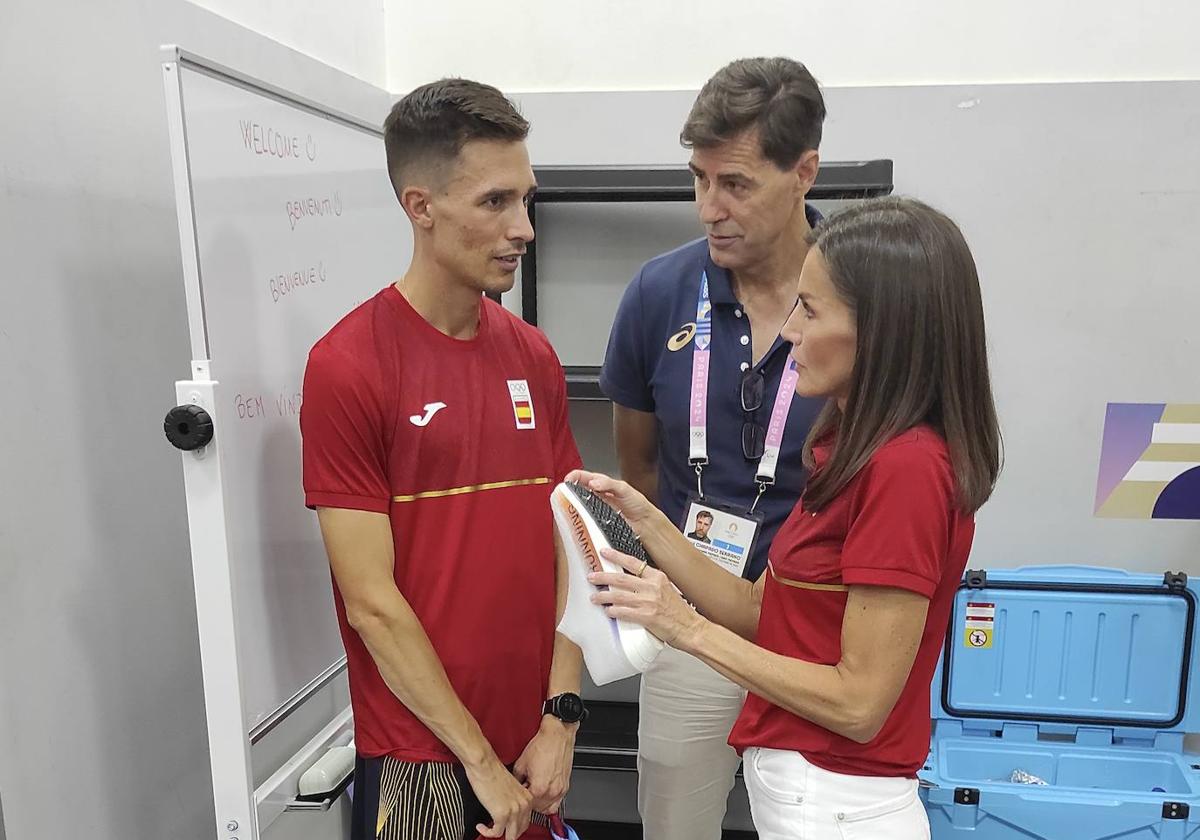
{"x":522,"y":402}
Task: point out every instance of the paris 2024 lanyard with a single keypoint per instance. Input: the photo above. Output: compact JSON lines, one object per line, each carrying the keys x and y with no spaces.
{"x":724,"y":532}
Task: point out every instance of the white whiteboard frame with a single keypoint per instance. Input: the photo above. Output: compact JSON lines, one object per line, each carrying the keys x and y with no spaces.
{"x":241,"y":811}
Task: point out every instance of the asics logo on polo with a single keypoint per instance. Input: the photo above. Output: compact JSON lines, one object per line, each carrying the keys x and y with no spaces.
{"x":681,"y":338}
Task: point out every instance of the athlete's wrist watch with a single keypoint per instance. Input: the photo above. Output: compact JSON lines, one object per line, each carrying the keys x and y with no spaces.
{"x":566,"y":707}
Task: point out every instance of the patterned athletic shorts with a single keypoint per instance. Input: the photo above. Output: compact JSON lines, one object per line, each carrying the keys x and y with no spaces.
{"x":402,"y":800}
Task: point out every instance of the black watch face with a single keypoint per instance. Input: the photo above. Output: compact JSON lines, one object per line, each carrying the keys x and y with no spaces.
{"x":570,"y":707}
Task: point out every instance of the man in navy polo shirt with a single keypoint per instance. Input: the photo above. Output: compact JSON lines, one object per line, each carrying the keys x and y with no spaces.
{"x":705,"y":412}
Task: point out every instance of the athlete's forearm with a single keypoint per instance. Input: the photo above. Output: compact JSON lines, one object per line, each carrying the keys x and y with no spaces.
{"x":567,"y":666}
{"x":409,"y":665}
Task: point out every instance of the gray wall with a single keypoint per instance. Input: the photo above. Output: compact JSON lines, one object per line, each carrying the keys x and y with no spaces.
{"x":1084,"y":237}
{"x":101,"y":704}
{"x":1085,"y":247}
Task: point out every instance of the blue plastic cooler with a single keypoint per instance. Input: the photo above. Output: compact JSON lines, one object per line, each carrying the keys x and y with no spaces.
{"x":1083,"y":678}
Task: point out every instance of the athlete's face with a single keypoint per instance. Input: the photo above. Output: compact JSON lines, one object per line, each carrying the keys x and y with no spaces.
{"x":702,"y":526}
{"x":481,"y":214}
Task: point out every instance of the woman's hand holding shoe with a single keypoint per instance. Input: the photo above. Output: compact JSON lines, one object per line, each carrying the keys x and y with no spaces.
{"x":649,"y":600}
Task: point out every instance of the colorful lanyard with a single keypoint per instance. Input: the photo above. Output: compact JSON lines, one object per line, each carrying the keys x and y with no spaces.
{"x":698,"y":404}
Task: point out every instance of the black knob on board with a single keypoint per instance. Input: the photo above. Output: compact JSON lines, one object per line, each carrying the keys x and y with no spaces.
{"x":188,"y":427}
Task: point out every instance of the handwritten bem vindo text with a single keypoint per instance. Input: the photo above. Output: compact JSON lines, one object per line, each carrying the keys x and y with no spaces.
{"x":255,"y":407}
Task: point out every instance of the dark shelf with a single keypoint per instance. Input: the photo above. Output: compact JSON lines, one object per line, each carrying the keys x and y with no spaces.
{"x":583,"y":383}
{"x":604,"y":184}
{"x":610,"y":725}
{"x":854,"y":179}
{"x":608,"y":739}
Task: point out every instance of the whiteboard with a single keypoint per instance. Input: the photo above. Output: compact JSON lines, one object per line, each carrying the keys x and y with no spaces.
{"x":294,"y":224}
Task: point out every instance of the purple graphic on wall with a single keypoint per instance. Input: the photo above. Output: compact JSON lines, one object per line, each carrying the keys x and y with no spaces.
{"x":1150,"y":462}
{"x":1127,"y":431}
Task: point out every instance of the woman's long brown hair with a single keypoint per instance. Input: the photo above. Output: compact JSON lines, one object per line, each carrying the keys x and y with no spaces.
{"x":921,"y":358}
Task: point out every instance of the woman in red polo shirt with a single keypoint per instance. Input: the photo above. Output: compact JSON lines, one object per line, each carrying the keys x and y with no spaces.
{"x":838,"y":640}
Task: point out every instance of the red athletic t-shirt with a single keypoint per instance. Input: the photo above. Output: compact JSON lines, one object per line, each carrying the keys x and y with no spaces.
{"x":460,"y":442}
{"x":895,"y":524}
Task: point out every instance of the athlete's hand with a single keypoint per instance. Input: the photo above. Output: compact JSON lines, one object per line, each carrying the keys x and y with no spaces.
{"x":636,"y":508}
{"x":506,"y":800}
{"x":545,"y":765}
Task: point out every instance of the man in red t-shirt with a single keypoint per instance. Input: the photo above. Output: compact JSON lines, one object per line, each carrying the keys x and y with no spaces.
{"x":435,"y":426}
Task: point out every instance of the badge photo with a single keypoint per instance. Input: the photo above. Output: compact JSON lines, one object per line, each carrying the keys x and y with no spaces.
{"x":722,"y":532}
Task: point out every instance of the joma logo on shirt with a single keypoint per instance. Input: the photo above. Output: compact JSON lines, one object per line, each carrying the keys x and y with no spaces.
{"x":430,"y":410}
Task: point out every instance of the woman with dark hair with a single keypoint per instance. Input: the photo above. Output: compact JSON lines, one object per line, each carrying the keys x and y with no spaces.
{"x":837,"y":641}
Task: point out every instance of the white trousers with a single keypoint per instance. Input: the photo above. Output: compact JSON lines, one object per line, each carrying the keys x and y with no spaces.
{"x":685,"y":764}
{"x":791,"y":799}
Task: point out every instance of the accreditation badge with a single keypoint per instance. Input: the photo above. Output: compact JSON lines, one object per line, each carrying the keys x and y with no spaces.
{"x":724,"y":533}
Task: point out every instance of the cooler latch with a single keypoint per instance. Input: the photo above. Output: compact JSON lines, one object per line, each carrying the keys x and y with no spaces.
{"x":970,"y":796}
{"x":1175,"y":581}
{"x":964,"y":814}
{"x":976,"y":579}
{"x":1175,"y":810}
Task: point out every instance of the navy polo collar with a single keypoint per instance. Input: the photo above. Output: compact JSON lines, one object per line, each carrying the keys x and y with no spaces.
{"x":720,"y":285}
